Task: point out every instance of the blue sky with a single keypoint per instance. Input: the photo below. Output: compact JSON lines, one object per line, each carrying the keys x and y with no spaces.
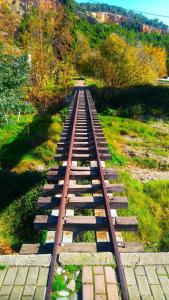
{"x":160,"y":7}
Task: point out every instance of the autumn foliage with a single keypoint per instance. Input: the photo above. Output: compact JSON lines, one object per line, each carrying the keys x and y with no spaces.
{"x":121,"y":65}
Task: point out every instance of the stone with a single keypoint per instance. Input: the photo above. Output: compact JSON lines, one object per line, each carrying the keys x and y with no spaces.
{"x":77,"y":273}
{"x":139,"y":270}
{"x":167,"y":268}
{"x":157,"y":292}
{"x":87,"y":276}
{"x":160,"y":270}
{"x":88,"y":292}
{"x":21,"y":276}
{"x":26,"y":260}
{"x":87,"y":259}
{"x":110,"y":275}
{"x":130,"y":277}
{"x":16,"y":293}
{"x":10,"y":276}
{"x":2,"y":276}
{"x":71,"y":285}
{"x":40,"y":293}
{"x":42,"y":277}
{"x":133,"y":293}
{"x":99,"y":284}
{"x":63,"y":293}
{"x":5,"y":290}
{"x":98,"y":270}
{"x":59,"y":270}
{"x":29,"y":290}
{"x":151,"y":275}
{"x":100,"y":297}
{"x":65,"y":278}
{"x":112,"y":292}
{"x":164,"y":280}
{"x":32,"y":276}
{"x":143,"y":286}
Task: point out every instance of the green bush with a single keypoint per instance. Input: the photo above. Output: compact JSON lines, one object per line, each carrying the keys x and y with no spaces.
{"x":14,"y":75}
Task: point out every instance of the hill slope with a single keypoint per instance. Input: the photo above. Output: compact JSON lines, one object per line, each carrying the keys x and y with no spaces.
{"x":113,"y":14}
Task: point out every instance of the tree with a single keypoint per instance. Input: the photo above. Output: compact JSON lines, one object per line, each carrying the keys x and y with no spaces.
{"x":48,"y":41}
{"x":124,"y":65}
{"x":9,"y":21}
{"x":14,"y":75}
{"x":121,"y":65}
{"x":159,"y":57}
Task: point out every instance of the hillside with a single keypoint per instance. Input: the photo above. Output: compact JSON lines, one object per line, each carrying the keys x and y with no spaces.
{"x":105,"y":13}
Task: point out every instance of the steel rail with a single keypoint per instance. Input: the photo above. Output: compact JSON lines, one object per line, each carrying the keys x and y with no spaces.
{"x":120,"y":272}
{"x":61,"y":217}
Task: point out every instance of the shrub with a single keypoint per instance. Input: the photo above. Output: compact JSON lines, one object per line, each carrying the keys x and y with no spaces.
{"x":14,"y":75}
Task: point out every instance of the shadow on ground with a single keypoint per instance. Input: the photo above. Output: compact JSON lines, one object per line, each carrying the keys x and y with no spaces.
{"x":133,"y":101}
{"x":32,"y":136}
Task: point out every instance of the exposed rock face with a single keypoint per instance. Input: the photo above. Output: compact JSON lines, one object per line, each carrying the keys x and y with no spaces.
{"x":104,"y":17}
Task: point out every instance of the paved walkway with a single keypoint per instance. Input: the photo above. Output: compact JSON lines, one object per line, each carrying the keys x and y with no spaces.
{"x":24,"y":277}
{"x":147,"y":275}
{"x":99,"y":283}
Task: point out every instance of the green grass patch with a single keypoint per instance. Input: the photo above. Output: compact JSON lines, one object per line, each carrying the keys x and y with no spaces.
{"x":117,"y":158}
{"x":61,"y":281}
{"x":147,"y":202}
{"x":27,"y":150}
{"x":2,"y":267}
{"x":88,"y":236}
{"x":72,"y":268}
{"x":123,"y":132}
{"x":58,"y":283}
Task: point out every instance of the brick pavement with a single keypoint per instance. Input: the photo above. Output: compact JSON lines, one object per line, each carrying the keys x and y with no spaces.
{"x":147,"y":275}
{"x":24,"y":277}
{"x":99,"y":283}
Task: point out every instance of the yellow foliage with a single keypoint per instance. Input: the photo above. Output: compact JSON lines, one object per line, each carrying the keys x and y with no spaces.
{"x":159,"y":57}
{"x":9,"y":21}
{"x":54,"y":129}
{"x":121,"y":65}
{"x":27,"y":165}
{"x":5,"y":248}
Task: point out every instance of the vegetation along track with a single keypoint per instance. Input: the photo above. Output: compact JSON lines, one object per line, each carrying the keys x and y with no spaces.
{"x":83,"y":147}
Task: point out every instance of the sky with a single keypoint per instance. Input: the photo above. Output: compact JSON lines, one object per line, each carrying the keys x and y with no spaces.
{"x":160,"y":7}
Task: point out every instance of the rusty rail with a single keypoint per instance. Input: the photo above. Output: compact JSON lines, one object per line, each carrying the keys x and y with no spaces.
{"x":61,"y":217}
{"x":112,"y":235}
{"x":64,"y":199}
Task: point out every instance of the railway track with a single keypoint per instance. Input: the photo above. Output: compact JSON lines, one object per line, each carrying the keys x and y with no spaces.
{"x":83,"y":147}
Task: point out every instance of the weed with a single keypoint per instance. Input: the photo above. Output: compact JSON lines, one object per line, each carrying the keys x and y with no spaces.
{"x":72,"y":268}
{"x":149,"y":203}
{"x":88,"y":236}
{"x":2,"y":267}
{"x":58,"y":283}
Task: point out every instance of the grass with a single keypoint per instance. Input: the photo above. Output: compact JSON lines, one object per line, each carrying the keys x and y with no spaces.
{"x":139,"y":136}
{"x":62,"y":280}
{"x":59,"y":283}
{"x":148,"y":201}
{"x":26,"y":151}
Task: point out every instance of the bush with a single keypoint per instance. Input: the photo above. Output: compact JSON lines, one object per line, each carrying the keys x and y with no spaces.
{"x":14,"y":75}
